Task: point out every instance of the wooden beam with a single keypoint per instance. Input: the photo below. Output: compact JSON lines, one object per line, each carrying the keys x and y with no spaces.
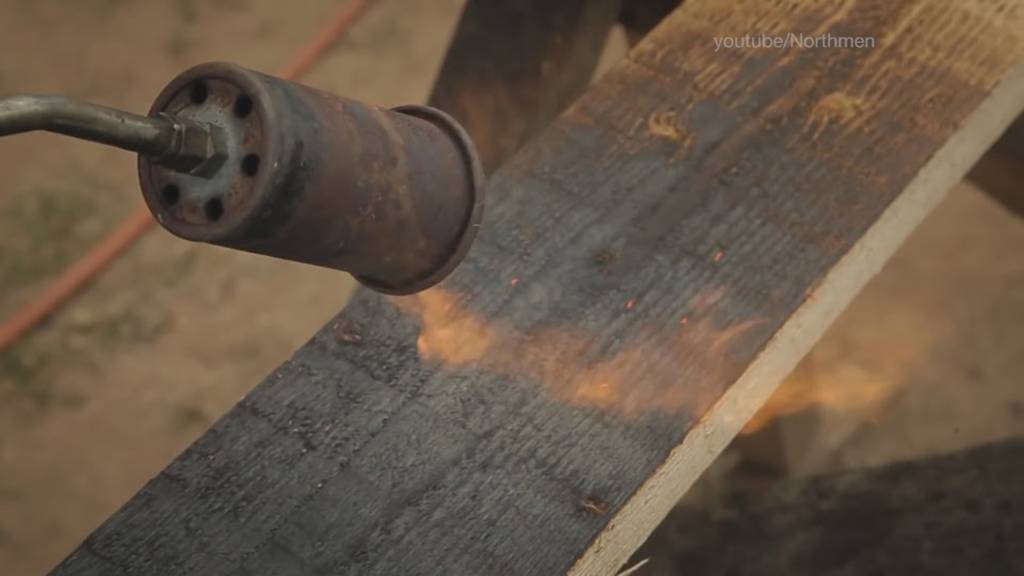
{"x":945,"y":515}
{"x":516,"y":64}
{"x":1011,"y":142}
{"x":639,"y":17}
{"x":1000,"y":172}
{"x":650,"y":267}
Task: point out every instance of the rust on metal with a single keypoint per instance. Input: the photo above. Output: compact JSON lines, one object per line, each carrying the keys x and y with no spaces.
{"x":394,"y":197}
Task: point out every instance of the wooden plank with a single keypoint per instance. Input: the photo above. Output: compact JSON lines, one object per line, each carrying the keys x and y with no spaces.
{"x":946,"y":515}
{"x":515,"y":65}
{"x":649,"y":268}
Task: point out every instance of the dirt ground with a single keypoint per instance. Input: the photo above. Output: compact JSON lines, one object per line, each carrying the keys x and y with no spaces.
{"x":102,"y":397}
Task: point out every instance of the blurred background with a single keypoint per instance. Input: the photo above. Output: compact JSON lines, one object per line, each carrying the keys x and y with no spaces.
{"x":94,"y":403}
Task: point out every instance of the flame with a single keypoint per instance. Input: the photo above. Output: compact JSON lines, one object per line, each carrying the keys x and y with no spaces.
{"x":651,"y":373}
{"x":644,"y":376}
{"x":850,"y":390}
{"x":450,"y":334}
{"x":832,"y":377}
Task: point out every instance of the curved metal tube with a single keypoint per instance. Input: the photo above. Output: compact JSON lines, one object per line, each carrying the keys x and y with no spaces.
{"x":149,"y":136}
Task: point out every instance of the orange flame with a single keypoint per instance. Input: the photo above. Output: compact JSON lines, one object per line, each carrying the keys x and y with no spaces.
{"x":450,"y":334}
{"x":855,"y":393}
{"x":832,"y":377}
{"x":645,"y":376}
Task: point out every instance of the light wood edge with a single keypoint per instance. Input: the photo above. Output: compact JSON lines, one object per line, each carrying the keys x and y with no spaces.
{"x":648,"y":507}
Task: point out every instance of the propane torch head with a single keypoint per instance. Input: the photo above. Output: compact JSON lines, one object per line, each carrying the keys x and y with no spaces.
{"x":394,"y":197}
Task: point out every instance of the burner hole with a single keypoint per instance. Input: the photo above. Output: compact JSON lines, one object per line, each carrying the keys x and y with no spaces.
{"x":243,"y":106}
{"x":214,"y":209}
{"x":171,"y":193}
{"x":199,"y":92}
{"x":251,"y":164}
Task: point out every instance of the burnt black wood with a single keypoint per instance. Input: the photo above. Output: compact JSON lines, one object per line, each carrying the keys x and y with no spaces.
{"x":720,"y":187}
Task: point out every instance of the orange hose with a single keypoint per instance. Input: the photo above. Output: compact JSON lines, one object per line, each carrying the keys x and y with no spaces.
{"x":87,"y":267}
{"x":324,"y":39}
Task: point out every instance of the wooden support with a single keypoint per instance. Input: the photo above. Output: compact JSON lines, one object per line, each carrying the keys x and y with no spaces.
{"x":649,"y":268}
{"x":1011,"y":143}
{"x":1000,"y":172}
{"x":515,"y":65}
{"x":950,"y":514}
{"x":638,"y":17}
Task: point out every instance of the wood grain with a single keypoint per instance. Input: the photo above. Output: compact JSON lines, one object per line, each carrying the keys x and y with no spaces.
{"x":649,"y":268}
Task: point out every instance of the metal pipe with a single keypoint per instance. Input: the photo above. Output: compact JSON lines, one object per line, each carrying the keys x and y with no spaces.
{"x":149,"y":136}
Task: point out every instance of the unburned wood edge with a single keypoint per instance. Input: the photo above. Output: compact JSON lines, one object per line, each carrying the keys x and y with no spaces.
{"x":651,"y":503}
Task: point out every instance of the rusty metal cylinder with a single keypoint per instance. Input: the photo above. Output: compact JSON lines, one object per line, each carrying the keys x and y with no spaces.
{"x":394,"y":196}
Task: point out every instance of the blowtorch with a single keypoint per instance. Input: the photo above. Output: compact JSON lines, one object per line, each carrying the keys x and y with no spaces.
{"x":236,"y":158}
